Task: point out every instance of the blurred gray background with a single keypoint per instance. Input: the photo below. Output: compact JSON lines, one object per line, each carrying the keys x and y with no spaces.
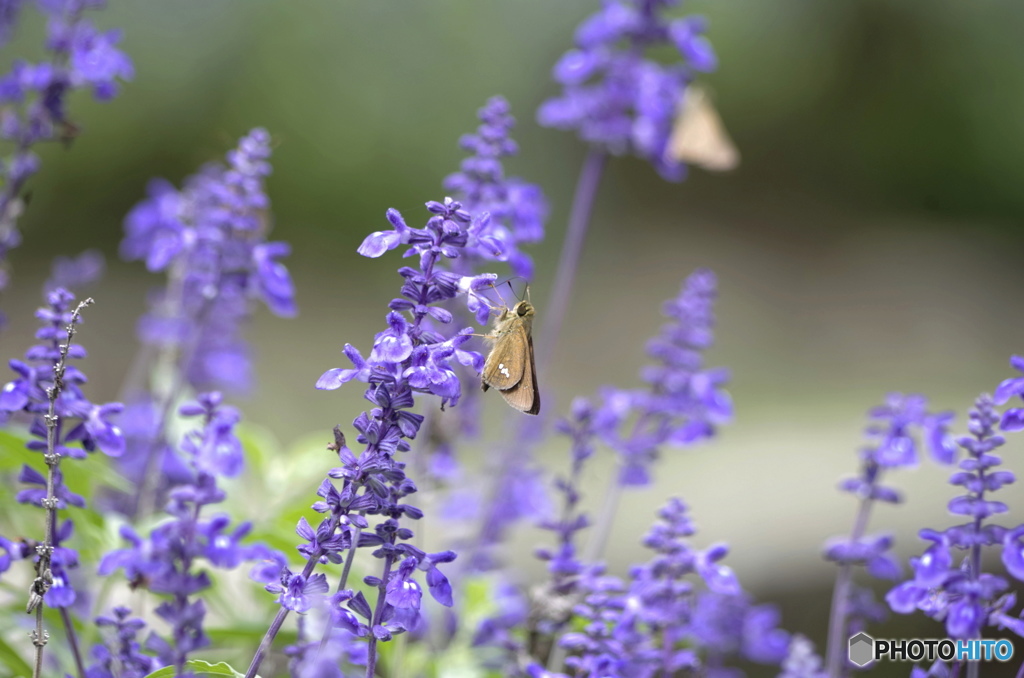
{"x":869,"y":242}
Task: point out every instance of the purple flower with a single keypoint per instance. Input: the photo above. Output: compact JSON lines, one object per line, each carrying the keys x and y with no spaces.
{"x":967,"y":598}
{"x":210,"y":236}
{"x":616,"y":98}
{"x":297,"y":593}
{"x":34,"y":97}
{"x":73,"y":273}
{"x":120,"y":654}
{"x":81,"y":427}
{"x":659,"y":622}
{"x":1013,"y":418}
{"x":165,"y":562}
{"x":684,"y":402}
{"x":412,"y":355}
{"x":893,"y":433}
{"x":802,"y":661}
{"x":507,"y":212}
{"x":211,"y":239}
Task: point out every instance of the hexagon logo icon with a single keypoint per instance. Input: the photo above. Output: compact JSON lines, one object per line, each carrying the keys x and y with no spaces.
{"x":862,"y":649}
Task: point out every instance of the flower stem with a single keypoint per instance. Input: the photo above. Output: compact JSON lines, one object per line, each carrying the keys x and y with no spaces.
{"x":975,"y":569}
{"x":841,"y":598}
{"x":265,"y":644}
{"x":76,"y":654}
{"x":572,"y":246}
{"x":602,"y":530}
{"x":527,"y":431}
{"x":275,"y":625}
{"x":378,"y":613}
{"x":44,"y":574}
{"x":342,"y":583}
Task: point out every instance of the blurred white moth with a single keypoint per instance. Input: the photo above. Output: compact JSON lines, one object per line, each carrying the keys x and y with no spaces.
{"x":699,"y":137}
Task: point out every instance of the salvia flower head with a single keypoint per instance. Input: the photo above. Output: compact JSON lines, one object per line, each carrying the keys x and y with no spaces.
{"x":120,"y":655}
{"x":960,"y":593}
{"x":167,"y":561}
{"x":33,"y":96}
{"x":1013,"y":417}
{"x":408,"y":357}
{"x":82,"y":427}
{"x":210,"y":237}
{"x":684,"y":401}
{"x":613,"y":94}
{"x":507,"y":211}
{"x":661,"y":621}
{"x":895,"y":433}
{"x":802,"y":661}
{"x":81,"y":422}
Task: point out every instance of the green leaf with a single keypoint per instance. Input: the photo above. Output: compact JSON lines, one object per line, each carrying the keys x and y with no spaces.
{"x":199,"y":668}
{"x":12,"y":661}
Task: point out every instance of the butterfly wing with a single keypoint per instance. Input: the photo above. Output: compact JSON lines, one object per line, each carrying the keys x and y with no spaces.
{"x":525,"y":396}
{"x":699,"y":137}
{"x":506,"y":363}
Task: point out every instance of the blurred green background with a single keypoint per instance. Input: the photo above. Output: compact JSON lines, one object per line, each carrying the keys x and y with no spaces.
{"x":870,"y":240}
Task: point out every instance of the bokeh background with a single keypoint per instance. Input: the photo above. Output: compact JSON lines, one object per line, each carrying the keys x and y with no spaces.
{"x":869,"y":242}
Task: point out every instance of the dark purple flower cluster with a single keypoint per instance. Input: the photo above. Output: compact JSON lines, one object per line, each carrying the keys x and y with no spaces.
{"x":33,"y":96}
{"x":166,"y":561}
{"x":120,"y":656}
{"x":507,"y":211}
{"x":614,"y":95}
{"x":684,"y":401}
{"x":408,"y":357}
{"x":963,"y":595}
{"x":82,"y":427}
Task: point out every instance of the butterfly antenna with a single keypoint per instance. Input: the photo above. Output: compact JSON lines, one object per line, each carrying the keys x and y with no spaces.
{"x":495,"y":288}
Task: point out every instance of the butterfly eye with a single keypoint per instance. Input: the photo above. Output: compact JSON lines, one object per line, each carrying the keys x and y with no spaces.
{"x":521,"y":309}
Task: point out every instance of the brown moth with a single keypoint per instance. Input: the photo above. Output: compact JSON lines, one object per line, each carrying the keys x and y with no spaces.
{"x":509,"y":366}
{"x":699,"y":137}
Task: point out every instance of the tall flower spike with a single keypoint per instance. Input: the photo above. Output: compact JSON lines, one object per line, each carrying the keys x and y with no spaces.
{"x":166,"y":562}
{"x":895,"y":433}
{"x":659,"y":622}
{"x":967,"y":598}
{"x":33,"y":97}
{"x":615,"y":97}
{"x":408,"y":357}
{"x":54,"y":401}
{"x":62,"y":423}
{"x":211,"y":239}
{"x":120,"y":656}
{"x":552,"y":602}
{"x":683,"y":404}
{"x":507,"y":211}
